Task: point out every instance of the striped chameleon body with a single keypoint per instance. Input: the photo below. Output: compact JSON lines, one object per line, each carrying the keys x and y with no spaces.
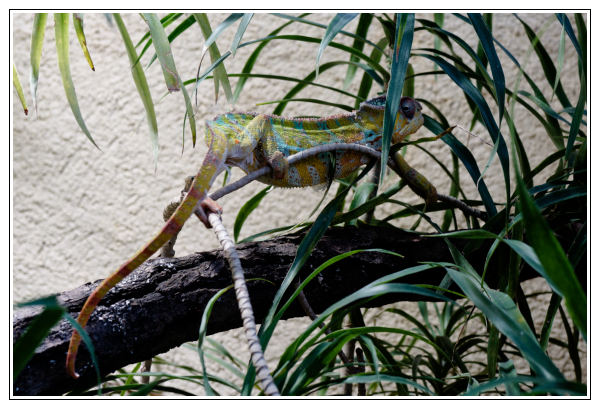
{"x":251,"y":141}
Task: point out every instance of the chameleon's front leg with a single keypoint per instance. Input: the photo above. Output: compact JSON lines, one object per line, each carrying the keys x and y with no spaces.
{"x":417,"y":182}
{"x":262,"y":128}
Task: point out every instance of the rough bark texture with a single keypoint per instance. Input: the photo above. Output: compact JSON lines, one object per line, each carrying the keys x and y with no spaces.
{"x":159,"y":306}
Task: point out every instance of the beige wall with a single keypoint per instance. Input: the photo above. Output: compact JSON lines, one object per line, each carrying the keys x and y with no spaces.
{"x":79,"y":212}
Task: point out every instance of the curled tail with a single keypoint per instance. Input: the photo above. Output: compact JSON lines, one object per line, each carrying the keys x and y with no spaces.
{"x":209,"y":170}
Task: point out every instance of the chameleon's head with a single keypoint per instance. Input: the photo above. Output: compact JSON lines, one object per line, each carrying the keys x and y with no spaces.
{"x":408,"y":120}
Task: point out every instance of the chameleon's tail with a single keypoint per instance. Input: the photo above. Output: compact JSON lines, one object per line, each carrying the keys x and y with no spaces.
{"x":202,"y":183}
{"x":172,"y":226}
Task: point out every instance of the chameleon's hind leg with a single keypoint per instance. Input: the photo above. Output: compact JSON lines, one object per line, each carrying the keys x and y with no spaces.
{"x":263,"y":127}
{"x":417,"y":182}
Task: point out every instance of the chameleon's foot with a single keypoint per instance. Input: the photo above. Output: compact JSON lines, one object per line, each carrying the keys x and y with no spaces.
{"x":279,"y":164}
{"x":431,"y":196}
{"x":207,"y":206}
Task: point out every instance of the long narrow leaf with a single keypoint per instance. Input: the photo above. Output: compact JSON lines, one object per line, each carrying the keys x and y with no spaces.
{"x":78,"y":24}
{"x":240,"y":32}
{"x":553,"y":259}
{"x":61,"y":31}
{"x":220,"y":72}
{"x":35,"y":55}
{"x":24,"y":347}
{"x":165,"y":21}
{"x":578,"y":114}
{"x":335,"y":26}
{"x":19,"y":88}
{"x":219,"y":30}
{"x":364,"y":22}
{"x":142,"y":86}
{"x":547,"y":64}
{"x":560,"y":58}
{"x":403,"y":43}
{"x":501,"y":310}
{"x":485,"y":37}
{"x":167,"y":62}
{"x":184,"y":25}
{"x":202,"y":335}
{"x":248,"y":208}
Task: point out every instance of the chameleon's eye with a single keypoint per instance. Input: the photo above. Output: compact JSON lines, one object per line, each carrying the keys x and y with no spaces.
{"x":408,"y":107}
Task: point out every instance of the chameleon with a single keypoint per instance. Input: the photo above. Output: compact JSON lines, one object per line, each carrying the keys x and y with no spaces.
{"x":250,"y":141}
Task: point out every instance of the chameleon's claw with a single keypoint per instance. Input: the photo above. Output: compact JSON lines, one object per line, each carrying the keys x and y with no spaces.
{"x":207,"y":206}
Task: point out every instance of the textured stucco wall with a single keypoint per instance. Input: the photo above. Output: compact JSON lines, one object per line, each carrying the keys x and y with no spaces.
{"x":79,"y":212}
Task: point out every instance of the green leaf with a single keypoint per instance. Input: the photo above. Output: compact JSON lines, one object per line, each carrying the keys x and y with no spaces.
{"x":553,"y":259}
{"x":367,"y":81}
{"x":19,"y":88}
{"x":139,"y":77}
{"x":25,"y":346}
{"x":202,"y":334}
{"x":165,"y":21}
{"x":369,"y":204}
{"x":220,"y":72}
{"x":88,"y":343}
{"x":360,"y":197}
{"x":437,"y":42}
{"x":167,"y":62}
{"x":507,"y":370}
{"x":578,"y":115}
{"x":248,"y":208}
{"x":184,"y":25}
{"x":405,"y":26}
{"x":129,"y":379}
{"x":547,"y":64}
{"x":485,"y":37}
{"x":335,"y":26}
{"x":500,"y":309}
{"x":364,"y":22}
{"x":409,"y":82}
{"x":545,"y":107}
{"x":542,"y":386}
{"x":78,"y":24}
{"x":220,"y":29}
{"x":37,"y":41}
{"x":560,"y":59}
{"x":240,"y":32}
{"x":555,"y":300}
{"x":61,"y":32}
{"x":582,"y":37}
{"x":368,"y":292}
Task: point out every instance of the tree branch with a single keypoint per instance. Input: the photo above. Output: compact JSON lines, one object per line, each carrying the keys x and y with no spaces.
{"x":159,"y":306}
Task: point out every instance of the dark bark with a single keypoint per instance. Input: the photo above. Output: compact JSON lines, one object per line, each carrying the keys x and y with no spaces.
{"x":159,"y":306}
